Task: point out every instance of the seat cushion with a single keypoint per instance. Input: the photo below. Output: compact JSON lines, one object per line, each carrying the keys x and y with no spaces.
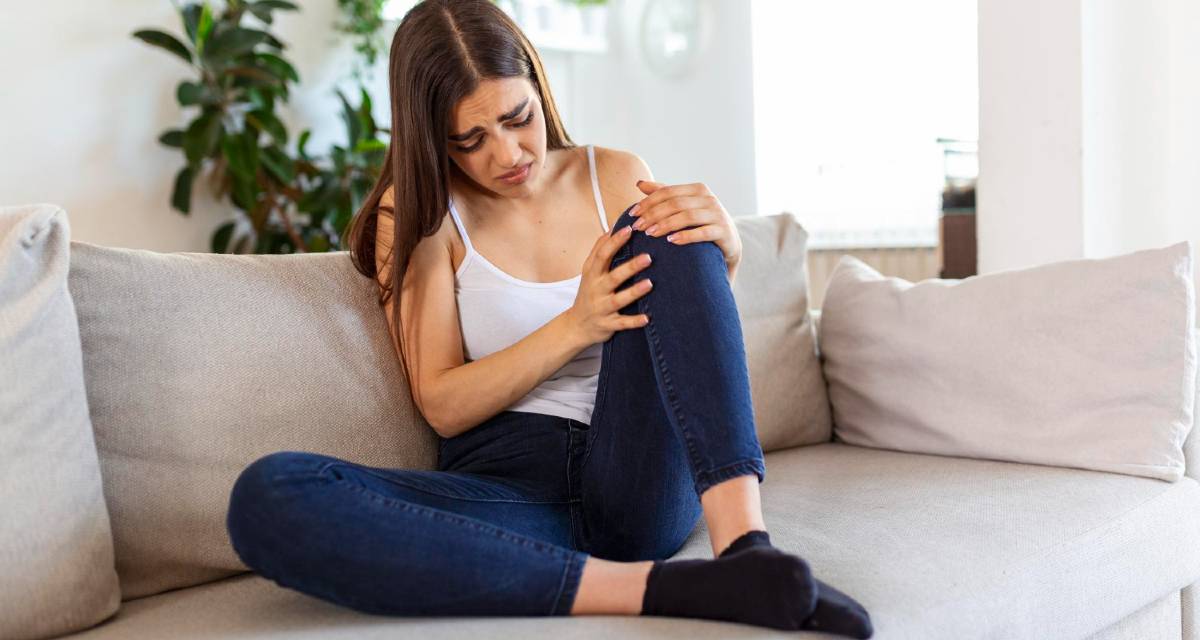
{"x":933,"y":546}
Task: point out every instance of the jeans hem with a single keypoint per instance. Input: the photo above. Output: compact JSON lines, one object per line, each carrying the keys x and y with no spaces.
{"x":569,"y":587}
{"x":706,"y":479}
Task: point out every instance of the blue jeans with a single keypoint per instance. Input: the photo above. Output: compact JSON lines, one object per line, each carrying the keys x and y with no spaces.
{"x":504,"y":525}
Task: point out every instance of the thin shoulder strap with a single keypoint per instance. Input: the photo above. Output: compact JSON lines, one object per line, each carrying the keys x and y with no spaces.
{"x":462,"y":231}
{"x":596,"y":188}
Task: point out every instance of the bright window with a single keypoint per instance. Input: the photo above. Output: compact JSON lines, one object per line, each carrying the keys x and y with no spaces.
{"x":850,"y":99}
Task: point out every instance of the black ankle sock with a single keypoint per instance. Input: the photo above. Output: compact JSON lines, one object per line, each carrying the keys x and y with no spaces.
{"x":835,"y":612}
{"x":762,"y":586}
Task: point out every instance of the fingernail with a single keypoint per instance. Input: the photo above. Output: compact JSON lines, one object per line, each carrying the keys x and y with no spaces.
{"x":627,"y":230}
{"x":633,"y":211}
{"x":637,"y":224}
{"x":651,"y":230}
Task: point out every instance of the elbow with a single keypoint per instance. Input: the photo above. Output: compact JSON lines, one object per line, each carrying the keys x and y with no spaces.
{"x":438,"y":414}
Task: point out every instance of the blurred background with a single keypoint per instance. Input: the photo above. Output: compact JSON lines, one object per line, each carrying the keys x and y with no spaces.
{"x":874,"y":122}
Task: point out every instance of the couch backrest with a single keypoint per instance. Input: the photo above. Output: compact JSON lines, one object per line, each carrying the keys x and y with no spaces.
{"x":197,"y":364}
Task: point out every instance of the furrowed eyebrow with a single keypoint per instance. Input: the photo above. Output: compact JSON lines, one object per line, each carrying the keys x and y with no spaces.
{"x":460,"y":137}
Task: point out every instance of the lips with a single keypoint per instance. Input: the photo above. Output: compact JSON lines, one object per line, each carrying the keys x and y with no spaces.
{"x":515,"y":172}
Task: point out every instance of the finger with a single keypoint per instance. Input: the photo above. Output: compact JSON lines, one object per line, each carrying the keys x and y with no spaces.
{"x":649,"y":186}
{"x":627,"y":295}
{"x":680,"y":220}
{"x":648,"y":215}
{"x":699,"y":234}
{"x":608,"y":248}
{"x":632,"y":322}
{"x":667,"y":192}
{"x":626,"y":270}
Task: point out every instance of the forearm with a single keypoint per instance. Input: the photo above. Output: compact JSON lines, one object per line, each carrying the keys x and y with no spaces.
{"x":468,"y":395}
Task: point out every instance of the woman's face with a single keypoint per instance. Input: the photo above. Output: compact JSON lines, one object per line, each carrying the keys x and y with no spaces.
{"x":499,"y":129}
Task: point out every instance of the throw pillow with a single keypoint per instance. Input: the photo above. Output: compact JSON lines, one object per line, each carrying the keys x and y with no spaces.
{"x":1087,"y":363}
{"x":791,"y":405}
{"x":56,"y":549}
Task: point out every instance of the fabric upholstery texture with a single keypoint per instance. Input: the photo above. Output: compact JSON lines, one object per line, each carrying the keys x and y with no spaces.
{"x":197,"y":364}
{"x":56,"y":549}
{"x":1087,"y":363}
{"x":933,"y":546}
{"x":791,"y":404}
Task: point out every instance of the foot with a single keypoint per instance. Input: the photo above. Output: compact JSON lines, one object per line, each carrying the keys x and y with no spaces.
{"x":835,"y":612}
{"x":761,"y":586}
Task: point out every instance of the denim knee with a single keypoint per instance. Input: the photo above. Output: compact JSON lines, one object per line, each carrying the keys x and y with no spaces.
{"x":259,"y":488}
{"x":661,"y":251}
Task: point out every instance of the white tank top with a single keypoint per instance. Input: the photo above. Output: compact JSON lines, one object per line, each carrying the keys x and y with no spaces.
{"x":496,"y":310}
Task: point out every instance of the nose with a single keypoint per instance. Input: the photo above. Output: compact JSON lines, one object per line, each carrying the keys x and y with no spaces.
{"x":509,"y":154}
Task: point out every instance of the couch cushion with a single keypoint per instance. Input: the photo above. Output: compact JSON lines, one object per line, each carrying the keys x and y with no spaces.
{"x":934,"y":547}
{"x":56,"y":549}
{"x":791,"y":404}
{"x":197,"y":364}
{"x":1087,"y":363}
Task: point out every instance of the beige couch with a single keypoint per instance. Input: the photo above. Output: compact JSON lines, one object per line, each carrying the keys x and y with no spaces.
{"x":196,"y":364}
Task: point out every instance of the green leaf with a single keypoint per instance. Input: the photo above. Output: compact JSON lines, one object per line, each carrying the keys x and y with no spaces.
{"x":350,"y":117}
{"x":221,"y":237}
{"x":261,"y":12}
{"x":234,"y":42}
{"x":370,"y":145}
{"x":366,"y":120}
{"x":281,"y":68}
{"x":165,"y":41}
{"x":244,"y":194}
{"x":172,"y":138}
{"x":200,"y":139}
{"x":266,"y":121}
{"x":302,"y":142}
{"x":181,"y":194}
{"x":241,"y":152}
{"x":191,"y":19}
{"x":281,"y":5}
{"x":204,"y":29}
{"x":260,"y":97}
{"x":192,"y":93}
{"x":277,"y":162}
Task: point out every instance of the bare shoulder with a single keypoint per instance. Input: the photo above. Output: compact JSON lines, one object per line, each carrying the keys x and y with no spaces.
{"x":443,"y":237}
{"x":618,"y":172}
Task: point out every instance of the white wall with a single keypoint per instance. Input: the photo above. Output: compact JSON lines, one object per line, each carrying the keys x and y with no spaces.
{"x":697,"y":128}
{"x":1089,"y":143}
{"x":83,"y":103}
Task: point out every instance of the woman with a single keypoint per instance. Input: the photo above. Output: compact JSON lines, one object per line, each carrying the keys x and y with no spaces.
{"x":585,"y":421}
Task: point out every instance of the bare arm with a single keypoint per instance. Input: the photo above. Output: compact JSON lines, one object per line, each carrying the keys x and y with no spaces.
{"x":454,"y":395}
{"x":473,"y":392}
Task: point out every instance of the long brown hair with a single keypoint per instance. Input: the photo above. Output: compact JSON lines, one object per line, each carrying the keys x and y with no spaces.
{"x":440,"y":53}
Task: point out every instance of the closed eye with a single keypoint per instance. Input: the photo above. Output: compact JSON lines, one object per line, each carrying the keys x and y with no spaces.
{"x":524,"y":123}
